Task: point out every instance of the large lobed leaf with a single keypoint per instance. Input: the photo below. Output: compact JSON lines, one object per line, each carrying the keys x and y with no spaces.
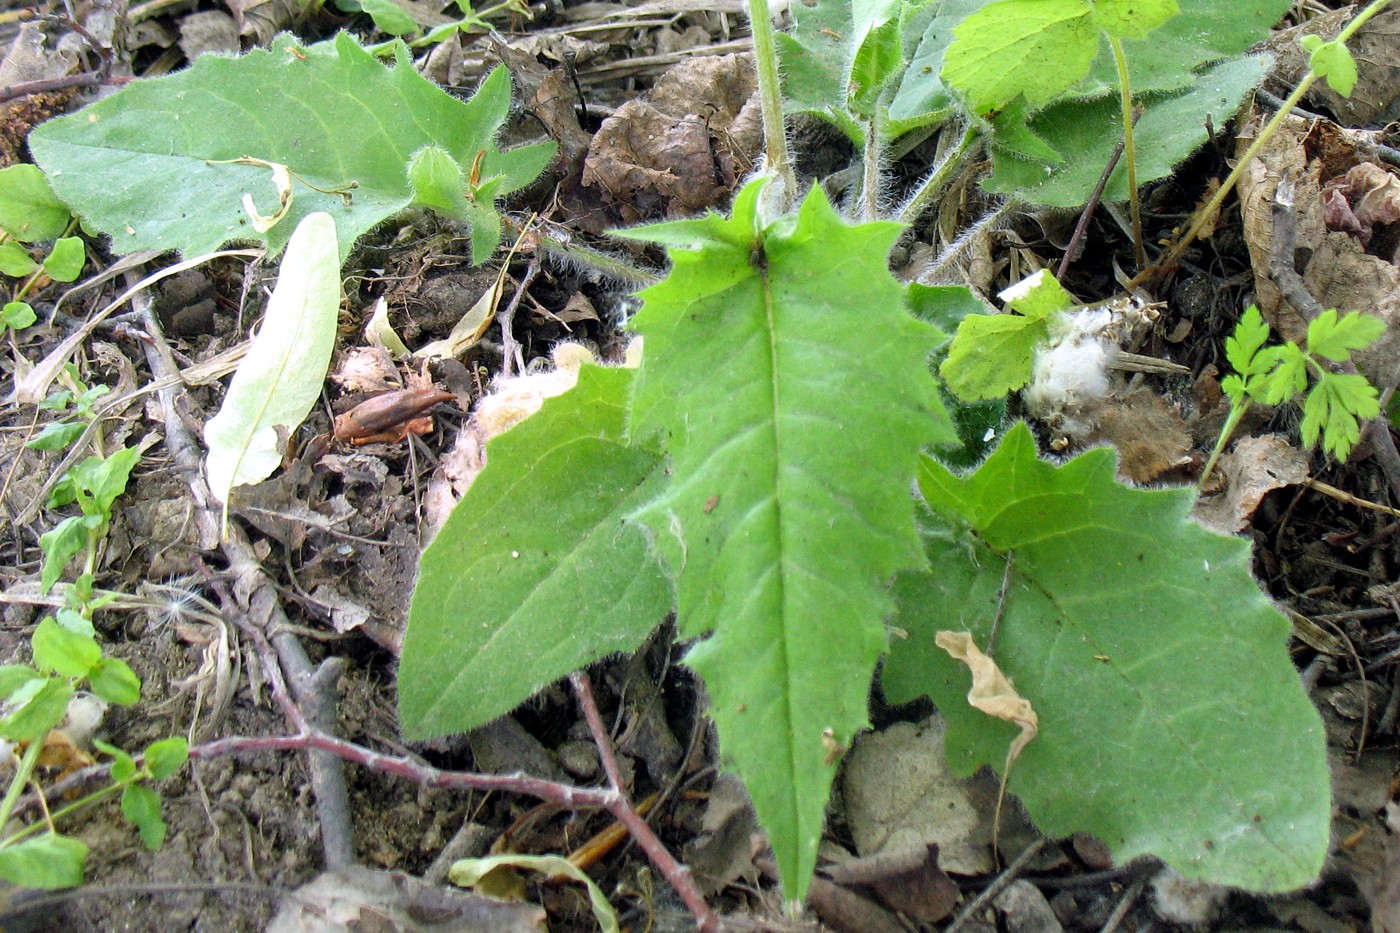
{"x":535,"y":574}
{"x":1172,"y":721}
{"x":790,"y":386}
{"x":143,"y":165}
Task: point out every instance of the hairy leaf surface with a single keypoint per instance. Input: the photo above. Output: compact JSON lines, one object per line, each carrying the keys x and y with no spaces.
{"x":143,"y":164}
{"x":790,"y":385}
{"x":1172,"y":721}
{"x":535,"y":574}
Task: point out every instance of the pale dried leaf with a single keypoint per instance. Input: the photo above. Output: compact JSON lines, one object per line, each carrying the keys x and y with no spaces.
{"x":992,"y":692}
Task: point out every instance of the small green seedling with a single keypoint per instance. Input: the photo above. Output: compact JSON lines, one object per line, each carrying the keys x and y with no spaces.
{"x":1337,"y":402}
{"x":31,"y":214}
{"x":94,"y":484}
{"x":71,"y":681}
{"x":76,"y":400}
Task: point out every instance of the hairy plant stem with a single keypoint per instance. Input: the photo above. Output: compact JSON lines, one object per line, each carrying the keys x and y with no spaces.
{"x":933,"y":184}
{"x":770,"y":94}
{"x":1129,"y":156}
{"x":873,"y":162}
{"x":1205,"y":214}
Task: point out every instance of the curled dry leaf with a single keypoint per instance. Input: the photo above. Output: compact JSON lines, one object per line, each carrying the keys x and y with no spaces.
{"x":992,"y":692}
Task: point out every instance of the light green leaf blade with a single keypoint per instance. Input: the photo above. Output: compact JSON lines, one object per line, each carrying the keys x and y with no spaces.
{"x":921,"y":90}
{"x":16,"y":262}
{"x":68,"y":654}
{"x":992,"y":355}
{"x":792,"y":440}
{"x":1175,"y":54}
{"x":141,"y":806}
{"x":48,"y":862}
{"x":438,"y":182}
{"x":1085,"y":133}
{"x":166,"y":756}
{"x":497,"y":612}
{"x":1251,"y":333}
{"x":113,"y":680}
{"x":1333,"y":61}
{"x":141,"y":165}
{"x":1332,"y":409}
{"x":38,"y":713}
{"x":389,"y":18}
{"x":1172,"y":720}
{"x":280,"y":378}
{"x":29,"y":211}
{"x":1335,"y":337}
{"x":1132,"y":19}
{"x":64,"y":262}
{"x":1036,"y":49}
{"x":61,"y":544}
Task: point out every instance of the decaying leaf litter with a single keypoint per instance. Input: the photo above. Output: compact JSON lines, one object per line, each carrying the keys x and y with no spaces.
{"x":332,"y":541}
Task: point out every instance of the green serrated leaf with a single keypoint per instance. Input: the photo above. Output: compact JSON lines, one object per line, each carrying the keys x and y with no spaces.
{"x":1174,"y":55}
{"x":1332,"y":61}
{"x":1287,"y":377}
{"x":141,"y":806}
{"x":1251,"y":333}
{"x":40,"y":712}
{"x":16,"y":262}
{"x":280,"y":378}
{"x":1084,"y":133}
{"x":144,"y":165}
{"x":165,"y":757}
{"x":64,"y":263}
{"x":1333,"y":408}
{"x":1172,"y":720}
{"x":1132,"y":19}
{"x":1037,"y":296}
{"x":791,"y":442}
{"x":29,"y":211}
{"x":1335,"y":338}
{"x":69,"y":654}
{"x":1011,"y":48}
{"x":496,"y":614}
{"x":992,"y":355}
{"x":48,"y":862}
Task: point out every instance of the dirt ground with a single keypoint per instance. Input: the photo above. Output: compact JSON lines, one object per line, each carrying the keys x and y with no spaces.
{"x":336,"y":536}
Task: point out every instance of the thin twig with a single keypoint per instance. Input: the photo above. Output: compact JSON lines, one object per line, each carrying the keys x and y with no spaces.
{"x":996,"y":887}
{"x":261,"y":609}
{"x":1120,"y":910}
{"x":1076,"y":240}
{"x":621,"y":807}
